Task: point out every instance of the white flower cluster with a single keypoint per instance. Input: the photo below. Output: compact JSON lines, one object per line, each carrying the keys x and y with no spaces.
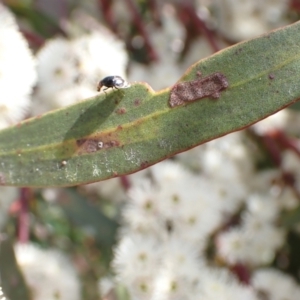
{"x":175,"y":214}
{"x":275,"y":285}
{"x":48,"y":273}
{"x":171,"y":269}
{"x":255,"y":241}
{"x":17,"y":71}
{"x":69,"y":70}
{"x":240,"y":20}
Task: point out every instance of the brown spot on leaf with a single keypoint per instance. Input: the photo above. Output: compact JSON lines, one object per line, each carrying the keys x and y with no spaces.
{"x":137,"y":102}
{"x":80,"y":142}
{"x":90,"y":145}
{"x":121,"y":111}
{"x":97,"y":142}
{"x":111,"y":144}
{"x":271,"y":76}
{"x":238,"y":51}
{"x":209,"y":86}
{"x":144,"y":164}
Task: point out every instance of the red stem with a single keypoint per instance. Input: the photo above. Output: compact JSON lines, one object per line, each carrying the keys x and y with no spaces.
{"x":23,"y":218}
{"x":33,"y":39}
{"x":106,"y":7}
{"x":190,"y":16}
{"x":272,"y":149}
{"x":286,"y":142}
{"x":242,"y":273}
{"x":295,"y":4}
{"x":125,"y":182}
{"x":155,"y":12}
{"x":138,"y":22}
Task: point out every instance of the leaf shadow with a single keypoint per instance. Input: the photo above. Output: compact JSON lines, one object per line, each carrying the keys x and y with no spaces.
{"x":94,"y":115}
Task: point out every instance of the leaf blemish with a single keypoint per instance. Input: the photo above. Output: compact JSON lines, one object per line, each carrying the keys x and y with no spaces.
{"x":238,"y":51}
{"x":271,"y":76}
{"x":144,"y":164}
{"x":121,"y":111}
{"x":209,"y":86}
{"x":137,"y":102}
{"x":93,"y":145}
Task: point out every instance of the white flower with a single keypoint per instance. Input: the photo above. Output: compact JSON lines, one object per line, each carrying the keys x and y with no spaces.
{"x":227,"y":159}
{"x":48,"y":273}
{"x":135,"y":262}
{"x":57,"y":67}
{"x":240,"y":20}
{"x":168,"y":172}
{"x":69,"y":96}
{"x":158,"y":75}
{"x":142,"y":211}
{"x":69,"y":70}
{"x":277,"y":121}
{"x":275,"y":285}
{"x":100,"y":55}
{"x":136,"y":254}
{"x":193,"y":206}
{"x":171,"y":285}
{"x":263,"y":207}
{"x":220,"y":284}
{"x":179,"y":271}
{"x":17,"y":71}
{"x":232,"y":246}
{"x":230,"y":196}
{"x":173,"y":197}
{"x":264,"y":239}
{"x":182,"y":258}
{"x":255,"y":242}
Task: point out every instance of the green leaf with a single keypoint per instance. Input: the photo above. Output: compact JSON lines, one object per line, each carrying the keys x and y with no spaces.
{"x":45,"y":25}
{"x":291,"y":218}
{"x":127,"y":130}
{"x":87,"y":216}
{"x":12,"y":280}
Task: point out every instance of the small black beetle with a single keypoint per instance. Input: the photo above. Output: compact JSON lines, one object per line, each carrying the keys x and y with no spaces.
{"x":112,"y":82}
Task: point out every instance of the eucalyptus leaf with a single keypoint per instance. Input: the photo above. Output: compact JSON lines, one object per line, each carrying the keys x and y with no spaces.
{"x":126,"y":130}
